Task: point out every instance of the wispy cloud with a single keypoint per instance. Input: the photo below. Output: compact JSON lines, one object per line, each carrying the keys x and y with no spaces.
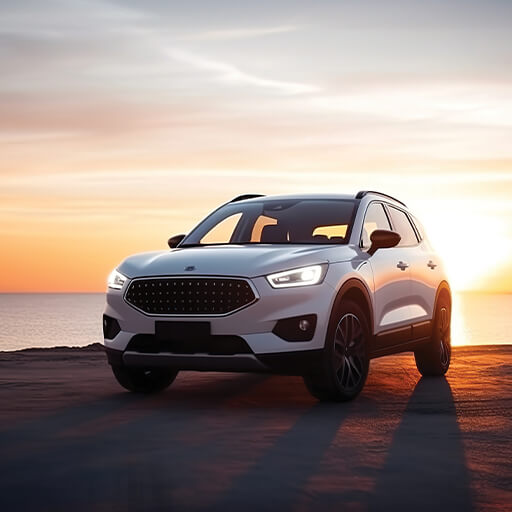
{"x":477,"y":103}
{"x":237,"y":33}
{"x":229,"y":73}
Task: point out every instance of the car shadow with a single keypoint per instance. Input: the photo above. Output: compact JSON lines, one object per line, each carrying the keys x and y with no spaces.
{"x":109,"y":450}
{"x":237,"y":441}
{"x":277,"y":479}
{"x":425,"y":468}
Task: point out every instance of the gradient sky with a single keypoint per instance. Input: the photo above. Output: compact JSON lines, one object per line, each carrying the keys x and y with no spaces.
{"x":122,"y":123}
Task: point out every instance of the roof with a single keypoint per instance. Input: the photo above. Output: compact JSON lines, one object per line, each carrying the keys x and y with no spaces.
{"x":283,"y":197}
{"x":247,"y":198}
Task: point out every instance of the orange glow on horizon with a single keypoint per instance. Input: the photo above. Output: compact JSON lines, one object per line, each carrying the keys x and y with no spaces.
{"x":52,"y":246}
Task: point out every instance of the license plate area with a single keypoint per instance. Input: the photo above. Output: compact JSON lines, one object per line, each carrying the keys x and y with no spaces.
{"x":169,"y":331}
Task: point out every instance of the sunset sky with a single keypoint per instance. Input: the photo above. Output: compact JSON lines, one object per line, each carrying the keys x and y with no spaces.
{"x":122,"y":123}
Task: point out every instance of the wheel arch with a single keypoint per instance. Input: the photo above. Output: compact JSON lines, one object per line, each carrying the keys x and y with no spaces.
{"x":443,"y":290}
{"x":356,"y":290}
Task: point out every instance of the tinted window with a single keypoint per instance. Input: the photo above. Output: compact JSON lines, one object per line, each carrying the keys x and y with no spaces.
{"x":331,"y":232}
{"x":259,"y":225}
{"x":222,"y":232}
{"x":403,"y":227}
{"x":300,"y":221}
{"x":375,"y":218}
{"x":419,"y":227}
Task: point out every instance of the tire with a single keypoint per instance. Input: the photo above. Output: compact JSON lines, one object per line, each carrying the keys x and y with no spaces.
{"x":345,"y":361}
{"x":142,"y":380}
{"x":434,"y":358}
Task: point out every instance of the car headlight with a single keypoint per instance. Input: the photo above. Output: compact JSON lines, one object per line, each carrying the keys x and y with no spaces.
{"x":305,"y":276}
{"x":116,"y":280}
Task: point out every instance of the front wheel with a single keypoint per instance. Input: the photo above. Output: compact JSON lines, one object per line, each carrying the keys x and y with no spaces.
{"x":346,"y":362}
{"x":141,"y":380}
{"x":434,"y":358}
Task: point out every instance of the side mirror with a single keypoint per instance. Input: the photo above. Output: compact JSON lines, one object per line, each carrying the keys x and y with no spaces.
{"x":383,"y":239}
{"x":175,"y":240}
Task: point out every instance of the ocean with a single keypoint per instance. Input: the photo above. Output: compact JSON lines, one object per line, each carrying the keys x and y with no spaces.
{"x":74,"y":320}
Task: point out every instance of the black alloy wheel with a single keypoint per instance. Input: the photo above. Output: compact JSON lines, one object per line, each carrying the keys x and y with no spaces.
{"x":434,"y":358}
{"x":345,"y":366}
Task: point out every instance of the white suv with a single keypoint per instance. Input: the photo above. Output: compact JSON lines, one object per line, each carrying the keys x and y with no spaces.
{"x":310,"y":285}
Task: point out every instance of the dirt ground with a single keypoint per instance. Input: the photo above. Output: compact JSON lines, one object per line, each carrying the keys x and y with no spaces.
{"x":71,"y":439}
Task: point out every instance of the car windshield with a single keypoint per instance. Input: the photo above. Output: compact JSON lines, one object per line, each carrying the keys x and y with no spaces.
{"x":273,"y":221}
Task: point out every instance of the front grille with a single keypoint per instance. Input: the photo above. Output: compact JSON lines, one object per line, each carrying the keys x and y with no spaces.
{"x":189,"y":296}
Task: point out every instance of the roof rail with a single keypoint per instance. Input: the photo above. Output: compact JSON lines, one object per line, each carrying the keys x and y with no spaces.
{"x":362,"y":193}
{"x":245,"y":196}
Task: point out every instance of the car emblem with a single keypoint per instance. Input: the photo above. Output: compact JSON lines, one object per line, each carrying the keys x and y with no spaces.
{"x":190,"y":268}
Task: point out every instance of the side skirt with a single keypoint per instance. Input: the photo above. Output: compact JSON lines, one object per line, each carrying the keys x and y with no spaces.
{"x":402,"y":339}
{"x":401,"y":347}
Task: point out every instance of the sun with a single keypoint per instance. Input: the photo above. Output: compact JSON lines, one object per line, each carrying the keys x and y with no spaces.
{"x":458,"y":234}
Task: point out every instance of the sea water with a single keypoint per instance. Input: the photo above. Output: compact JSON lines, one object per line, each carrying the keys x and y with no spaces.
{"x":74,"y":320}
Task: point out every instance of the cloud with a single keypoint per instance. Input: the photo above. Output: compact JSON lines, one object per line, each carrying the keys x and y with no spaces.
{"x":237,"y":33}
{"x":229,"y":73}
{"x":476,"y":103}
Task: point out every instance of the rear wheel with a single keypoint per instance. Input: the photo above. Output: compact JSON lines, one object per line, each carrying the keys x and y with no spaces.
{"x":434,"y":358}
{"x":142,"y":380}
{"x":345,"y":365}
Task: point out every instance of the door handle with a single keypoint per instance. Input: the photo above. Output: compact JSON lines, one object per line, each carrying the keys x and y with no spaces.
{"x":402,"y":266}
{"x":432,"y":265}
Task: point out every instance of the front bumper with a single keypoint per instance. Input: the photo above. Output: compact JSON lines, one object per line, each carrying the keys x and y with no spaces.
{"x":253,"y":324}
{"x":284,"y":363}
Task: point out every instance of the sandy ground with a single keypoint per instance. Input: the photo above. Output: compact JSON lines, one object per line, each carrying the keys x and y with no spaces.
{"x":71,"y":439}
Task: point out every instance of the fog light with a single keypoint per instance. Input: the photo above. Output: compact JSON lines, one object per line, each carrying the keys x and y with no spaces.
{"x":296,"y":328}
{"x":303,"y":325}
{"x":111,"y":327}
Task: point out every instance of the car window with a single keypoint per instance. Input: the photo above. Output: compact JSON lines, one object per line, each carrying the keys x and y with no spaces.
{"x":403,"y":227}
{"x":331,"y":232}
{"x":259,"y":225}
{"x":222,"y":232}
{"x":277,"y":221}
{"x":419,"y":227}
{"x":375,"y":218}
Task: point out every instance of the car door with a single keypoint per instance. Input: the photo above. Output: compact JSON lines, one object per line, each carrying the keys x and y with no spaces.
{"x":392,"y":286}
{"x":415,"y":256}
{"x":426,"y":274}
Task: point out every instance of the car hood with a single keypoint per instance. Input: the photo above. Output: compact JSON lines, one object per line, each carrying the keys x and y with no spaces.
{"x":232,"y":260}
